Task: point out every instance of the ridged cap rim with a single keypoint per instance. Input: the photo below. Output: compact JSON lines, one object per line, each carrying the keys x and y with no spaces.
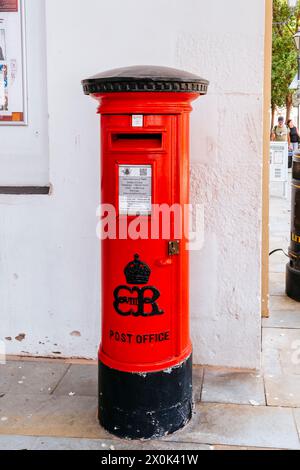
{"x":145,"y":78}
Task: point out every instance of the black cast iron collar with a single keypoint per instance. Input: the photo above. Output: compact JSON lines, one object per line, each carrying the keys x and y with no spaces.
{"x":145,"y":78}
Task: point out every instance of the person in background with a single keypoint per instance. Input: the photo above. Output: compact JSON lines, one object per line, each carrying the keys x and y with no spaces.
{"x":294,"y":136}
{"x":281,"y":132}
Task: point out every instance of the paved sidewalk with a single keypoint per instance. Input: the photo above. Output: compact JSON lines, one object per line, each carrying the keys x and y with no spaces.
{"x":50,"y":405}
{"x":53,"y":404}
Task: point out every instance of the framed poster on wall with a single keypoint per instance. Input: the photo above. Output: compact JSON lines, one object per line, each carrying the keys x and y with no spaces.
{"x":13,"y":99}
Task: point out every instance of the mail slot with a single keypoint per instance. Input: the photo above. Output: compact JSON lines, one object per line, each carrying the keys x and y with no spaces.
{"x":142,"y":140}
{"x":145,"y":356}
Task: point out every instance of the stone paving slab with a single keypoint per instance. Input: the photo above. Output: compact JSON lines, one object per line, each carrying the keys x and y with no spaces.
{"x":279,"y":267}
{"x":280,"y":226}
{"x":285,"y":343}
{"x":230,"y":448}
{"x":239,"y":425}
{"x":233,"y":387}
{"x":197,"y":383}
{"x":280,"y":338}
{"x":283,"y":319}
{"x":279,"y":241}
{"x":278,"y":260}
{"x":231,"y":426}
{"x":79,"y":380}
{"x":42,"y":415}
{"x":17,"y":442}
{"x":283,"y":390}
{"x":282,"y":302}
{"x":76,"y":417}
{"x":115,"y":444}
{"x":271,"y":362}
{"x":30,"y":377}
{"x":53,"y":443}
{"x":277,"y":283}
{"x":55,"y":360}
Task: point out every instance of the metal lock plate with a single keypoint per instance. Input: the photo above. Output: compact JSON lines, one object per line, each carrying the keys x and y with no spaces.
{"x":174,"y":247}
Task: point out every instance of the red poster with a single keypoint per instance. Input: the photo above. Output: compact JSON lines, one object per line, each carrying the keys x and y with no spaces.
{"x":8,"y":5}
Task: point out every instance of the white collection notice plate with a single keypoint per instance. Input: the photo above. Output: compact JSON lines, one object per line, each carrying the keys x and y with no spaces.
{"x":137,"y":120}
{"x":135,"y":189}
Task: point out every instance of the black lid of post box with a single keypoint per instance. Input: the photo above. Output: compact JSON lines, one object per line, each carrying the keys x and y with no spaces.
{"x":145,"y":78}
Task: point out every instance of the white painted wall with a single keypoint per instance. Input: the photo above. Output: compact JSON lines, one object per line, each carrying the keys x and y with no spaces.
{"x":49,"y":258}
{"x":24,"y":152}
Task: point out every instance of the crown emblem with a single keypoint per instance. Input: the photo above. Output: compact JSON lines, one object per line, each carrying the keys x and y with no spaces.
{"x":137,"y":272}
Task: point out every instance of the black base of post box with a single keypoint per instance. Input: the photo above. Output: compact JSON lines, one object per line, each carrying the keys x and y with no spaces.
{"x":146,"y":405}
{"x":293,"y":283}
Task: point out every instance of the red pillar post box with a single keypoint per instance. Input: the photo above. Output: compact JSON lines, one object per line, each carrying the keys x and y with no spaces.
{"x":145,"y":357}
